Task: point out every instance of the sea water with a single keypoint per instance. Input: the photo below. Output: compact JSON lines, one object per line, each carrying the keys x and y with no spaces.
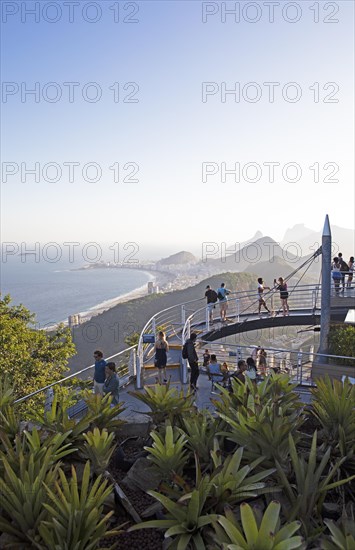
{"x":53,"y":291}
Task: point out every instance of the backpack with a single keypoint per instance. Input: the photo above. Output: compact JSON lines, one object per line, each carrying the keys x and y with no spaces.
{"x":213,"y":296}
{"x":184,"y":351}
{"x":220,"y":296}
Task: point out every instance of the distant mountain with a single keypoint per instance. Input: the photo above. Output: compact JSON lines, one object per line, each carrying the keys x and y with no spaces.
{"x":250,"y":256}
{"x":231,"y":248}
{"x":278,"y":267}
{"x":307,"y":240}
{"x":180,"y":258}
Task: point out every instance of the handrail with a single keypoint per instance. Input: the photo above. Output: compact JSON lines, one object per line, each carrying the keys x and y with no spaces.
{"x":21,"y":399}
{"x":279,"y":350}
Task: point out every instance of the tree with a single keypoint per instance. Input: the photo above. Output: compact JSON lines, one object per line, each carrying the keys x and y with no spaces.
{"x":31,"y":358}
{"x":341,"y":341}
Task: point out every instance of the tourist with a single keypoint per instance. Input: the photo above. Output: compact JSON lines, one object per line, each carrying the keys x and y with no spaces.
{"x":336,"y":274}
{"x":112,"y":383}
{"x":99,"y":372}
{"x":261,"y":289}
{"x":222,"y":293}
{"x":251,"y":369}
{"x":350,"y":271}
{"x":211,"y":296}
{"x":239,"y":374}
{"x":206,"y":358}
{"x":262,"y":361}
{"x":192,"y":358}
{"x":343,"y":270}
{"x":281,"y":285}
{"x":216,"y":372}
{"x":161,"y":348}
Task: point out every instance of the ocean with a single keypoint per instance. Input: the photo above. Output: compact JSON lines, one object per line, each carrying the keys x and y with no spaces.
{"x":53,"y":291}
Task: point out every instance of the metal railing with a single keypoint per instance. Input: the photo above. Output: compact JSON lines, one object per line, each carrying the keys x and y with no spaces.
{"x":126,"y":370}
{"x":171,"y":321}
{"x":245,"y":304}
{"x":295,"y":362}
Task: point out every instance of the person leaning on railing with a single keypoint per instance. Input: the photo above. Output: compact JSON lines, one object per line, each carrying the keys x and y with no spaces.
{"x":112,"y":383}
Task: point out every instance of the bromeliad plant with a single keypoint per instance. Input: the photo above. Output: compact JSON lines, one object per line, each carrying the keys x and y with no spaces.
{"x":307,"y":488}
{"x":333,"y":406}
{"x":231,"y":483}
{"x":263,"y":430}
{"x":166,"y":403}
{"x":56,"y":420}
{"x":185,"y":520}
{"x":201,"y":429}
{"x":75,"y":517}
{"x":342,"y":537}
{"x":98,"y":448}
{"x":9,"y":419}
{"x":256,"y":533}
{"x":23,"y":496}
{"x":168,"y":453}
{"x":100,"y":413}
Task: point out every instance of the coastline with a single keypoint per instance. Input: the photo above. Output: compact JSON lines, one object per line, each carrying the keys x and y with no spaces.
{"x":159,"y":278}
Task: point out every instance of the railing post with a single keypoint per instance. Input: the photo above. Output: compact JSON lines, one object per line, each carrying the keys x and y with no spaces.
{"x":237,"y":301}
{"x":299,"y":366}
{"x":139,"y":365}
{"x":132,"y":365}
{"x":314,"y":300}
{"x":49,"y":400}
{"x":183,"y":315}
{"x":239,"y":353}
{"x":207,"y":319}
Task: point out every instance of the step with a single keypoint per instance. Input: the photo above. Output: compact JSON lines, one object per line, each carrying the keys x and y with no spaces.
{"x":168,"y":366}
{"x":175,"y":346}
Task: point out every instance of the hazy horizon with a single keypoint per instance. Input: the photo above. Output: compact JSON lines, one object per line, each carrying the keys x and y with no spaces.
{"x":168,"y":123}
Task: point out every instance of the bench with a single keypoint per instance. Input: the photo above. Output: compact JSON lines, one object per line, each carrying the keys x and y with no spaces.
{"x":78,"y":410}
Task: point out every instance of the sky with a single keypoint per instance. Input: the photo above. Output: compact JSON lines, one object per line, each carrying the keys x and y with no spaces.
{"x":130,"y":130}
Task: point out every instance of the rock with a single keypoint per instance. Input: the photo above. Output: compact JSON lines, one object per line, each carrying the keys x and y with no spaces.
{"x":142,"y":476}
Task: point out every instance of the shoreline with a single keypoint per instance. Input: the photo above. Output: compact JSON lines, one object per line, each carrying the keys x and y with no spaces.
{"x":159,"y":278}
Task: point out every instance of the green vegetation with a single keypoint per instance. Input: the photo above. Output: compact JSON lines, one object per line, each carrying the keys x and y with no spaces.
{"x":276,"y":457}
{"x":341,"y":341}
{"x":44,"y":503}
{"x":31,"y":358}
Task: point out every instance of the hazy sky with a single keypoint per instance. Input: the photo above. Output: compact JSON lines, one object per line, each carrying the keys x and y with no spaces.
{"x":142,"y":86}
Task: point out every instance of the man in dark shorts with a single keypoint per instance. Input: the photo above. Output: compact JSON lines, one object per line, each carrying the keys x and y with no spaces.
{"x":211,"y":296}
{"x":192,"y":358}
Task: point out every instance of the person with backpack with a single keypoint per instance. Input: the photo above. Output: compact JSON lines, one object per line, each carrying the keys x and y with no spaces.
{"x":189,"y":352}
{"x":222,"y":293}
{"x":281,"y":285}
{"x":336,"y":274}
{"x":211,"y":296}
{"x":344,"y":268}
